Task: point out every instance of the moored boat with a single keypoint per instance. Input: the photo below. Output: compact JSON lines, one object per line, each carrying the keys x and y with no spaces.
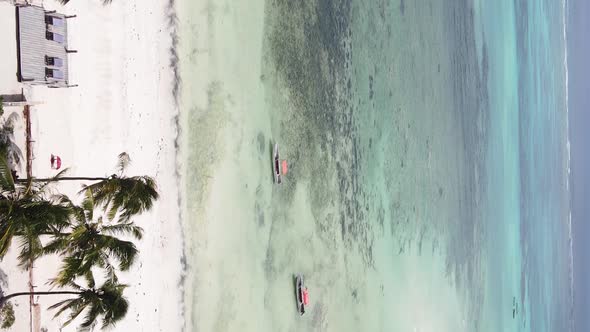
{"x":276,"y":164}
{"x":301,"y":294}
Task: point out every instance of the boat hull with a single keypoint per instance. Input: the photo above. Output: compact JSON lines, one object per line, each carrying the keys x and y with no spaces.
{"x":276,"y":164}
{"x":299,"y":293}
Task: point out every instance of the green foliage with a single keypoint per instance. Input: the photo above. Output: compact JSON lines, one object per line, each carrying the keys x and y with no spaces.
{"x":85,"y":236}
{"x":91,"y":243}
{"x":106,"y":301}
{"x":28,"y":216}
{"x":124,"y":196}
{"x":6,"y":316}
{"x":7,"y":186}
{"x":27,"y":219}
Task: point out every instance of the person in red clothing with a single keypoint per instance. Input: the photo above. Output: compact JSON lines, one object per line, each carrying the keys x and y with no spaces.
{"x":55,"y":162}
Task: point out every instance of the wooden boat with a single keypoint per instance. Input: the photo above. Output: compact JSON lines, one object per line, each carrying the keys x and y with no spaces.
{"x":301,"y":294}
{"x":276,"y":164}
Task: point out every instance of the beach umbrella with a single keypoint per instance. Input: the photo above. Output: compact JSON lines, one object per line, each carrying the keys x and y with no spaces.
{"x":55,"y":162}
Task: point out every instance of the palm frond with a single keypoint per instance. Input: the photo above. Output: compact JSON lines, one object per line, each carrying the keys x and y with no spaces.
{"x":73,"y":285}
{"x":30,"y":249}
{"x":68,"y":272}
{"x":60,"y":174}
{"x":11,"y":120}
{"x":124,"y":251}
{"x":76,"y":306}
{"x":110,"y":273}
{"x":63,"y":303}
{"x":75,"y":312}
{"x":6,"y":179}
{"x":107,"y":301}
{"x":124,"y":229}
{"x":89,"y":277}
{"x":92,"y":315}
{"x":118,"y":307}
{"x":112,"y":212}
{"x":128,"y":196}
{"x":7,"y":234}
{"x":59,"y":244}
{"x":62,"y":200}
{"x":13,"y":152}
{"x":8,"y":147}
{"x":123,"y":162}
{"x":88,"y":205}
{"x":104,"y":2}
{"x":86,"y":247}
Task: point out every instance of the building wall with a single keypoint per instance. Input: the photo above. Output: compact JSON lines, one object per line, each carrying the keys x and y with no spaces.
{"x":34,"y":46}
{"x":8,"y":56}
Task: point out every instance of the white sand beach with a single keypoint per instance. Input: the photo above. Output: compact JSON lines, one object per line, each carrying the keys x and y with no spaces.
{"x":123,"y":103}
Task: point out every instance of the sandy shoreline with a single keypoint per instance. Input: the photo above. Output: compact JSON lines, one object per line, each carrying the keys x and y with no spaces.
{"x":125,"y":101}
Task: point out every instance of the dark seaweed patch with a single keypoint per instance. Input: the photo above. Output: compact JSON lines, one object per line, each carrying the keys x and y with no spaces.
{"x":259,"y":214}
{"x":260,"y":141}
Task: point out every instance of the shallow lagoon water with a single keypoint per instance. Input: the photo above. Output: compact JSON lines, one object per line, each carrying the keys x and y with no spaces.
{"x":417,"y":136}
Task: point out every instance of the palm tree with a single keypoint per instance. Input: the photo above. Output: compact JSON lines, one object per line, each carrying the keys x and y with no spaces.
{"x":104,"y":2}
{"x":27,"y":215}
{"x":93,"y":244}
{"x":7,"y":146}
{"x":117,"y":193}
{"x":128,"y":196}
{"x":106,"y":301}
{"x":28,"y":218}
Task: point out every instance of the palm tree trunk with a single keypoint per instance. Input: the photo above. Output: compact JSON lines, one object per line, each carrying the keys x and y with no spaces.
{"x":3,"y":299}
{"x":70,"y":178}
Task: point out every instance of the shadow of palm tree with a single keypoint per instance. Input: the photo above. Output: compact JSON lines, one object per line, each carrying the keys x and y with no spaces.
{"x":3,"y":282}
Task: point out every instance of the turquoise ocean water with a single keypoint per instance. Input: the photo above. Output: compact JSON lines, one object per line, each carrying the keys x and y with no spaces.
{"x":426,"y":142}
